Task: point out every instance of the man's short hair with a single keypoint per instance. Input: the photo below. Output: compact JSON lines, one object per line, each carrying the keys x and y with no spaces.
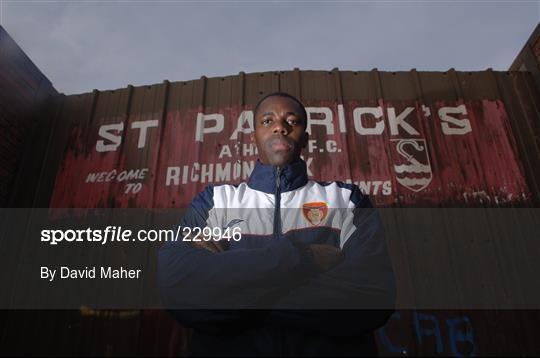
{"x":285,"y":95}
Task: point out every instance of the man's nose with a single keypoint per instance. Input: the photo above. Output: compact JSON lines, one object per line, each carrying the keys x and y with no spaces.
{"x":281,"y":128}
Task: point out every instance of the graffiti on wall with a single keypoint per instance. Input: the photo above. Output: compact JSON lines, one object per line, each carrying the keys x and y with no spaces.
{"x":431,"y":333}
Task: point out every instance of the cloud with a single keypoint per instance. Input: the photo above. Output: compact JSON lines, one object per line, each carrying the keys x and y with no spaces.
{"x":107,"y":45}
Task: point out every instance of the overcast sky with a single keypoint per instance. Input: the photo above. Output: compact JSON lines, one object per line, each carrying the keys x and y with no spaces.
{"x":80,"y":45}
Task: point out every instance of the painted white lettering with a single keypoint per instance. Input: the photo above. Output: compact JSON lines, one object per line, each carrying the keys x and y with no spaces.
{"x":201,"y":129}
{"x":111,"y":175}
{"x":91,"y":177}
{"x":143,"y":130}
{"x":223,"y":172}
{"x":249,"y":149}
{"x":225,"y":151}
{"x":314,"y":112}
{"x":105,"y":133}
{"x":357,"y":119}
{"x":245,"y":117}
{"x":173,"y":176}
{"x":185,"y":174}
{"x":365,"y":186}
{"x":387,"y":187}
{"x":308,"y":165}
{"x":463,"y":125}
{"x":399,"y":121}
{"x":128,"y":175}
{"x":101,"y":177}
{"x":376,"y":185}
{"x":237,"y":170}
{"x":142,"y":173}
{"x":331,"y":146}
{"x":311,"y":145}
{"x":207,"y":171}
{"x":341,"y":118}
{"x":194,"y":172}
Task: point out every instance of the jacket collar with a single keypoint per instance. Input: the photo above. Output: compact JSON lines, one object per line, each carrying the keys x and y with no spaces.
{"x":293,"y":176}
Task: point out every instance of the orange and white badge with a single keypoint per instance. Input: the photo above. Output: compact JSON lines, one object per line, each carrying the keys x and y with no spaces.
{"x":315,"y":212}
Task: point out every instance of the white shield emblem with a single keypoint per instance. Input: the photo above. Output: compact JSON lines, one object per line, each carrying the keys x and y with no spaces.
{"x":413,"y":169}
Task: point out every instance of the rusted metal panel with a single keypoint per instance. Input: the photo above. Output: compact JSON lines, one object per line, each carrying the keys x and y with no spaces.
{"x":455,"y":125}
{"x":521,"y":100}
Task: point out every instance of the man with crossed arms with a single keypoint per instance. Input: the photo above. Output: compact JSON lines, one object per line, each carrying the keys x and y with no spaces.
{"x":311,"y":273}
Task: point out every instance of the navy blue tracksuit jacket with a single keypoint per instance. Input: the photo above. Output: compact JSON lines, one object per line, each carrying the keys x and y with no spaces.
{"x":265,"y":295}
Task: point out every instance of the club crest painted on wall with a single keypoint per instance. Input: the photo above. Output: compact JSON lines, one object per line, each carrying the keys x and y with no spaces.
{"x":412,"y":166}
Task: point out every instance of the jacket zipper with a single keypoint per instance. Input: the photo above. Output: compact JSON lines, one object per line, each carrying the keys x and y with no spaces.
{"x":277,"y":211}
{"x":277,"y":233}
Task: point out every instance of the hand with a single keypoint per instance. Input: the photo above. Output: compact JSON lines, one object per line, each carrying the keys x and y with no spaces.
{"x":326,"y":256}
{"x":211,"y":245}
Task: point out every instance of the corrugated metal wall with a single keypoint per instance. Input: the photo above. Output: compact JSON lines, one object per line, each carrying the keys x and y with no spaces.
{"x":494,"y":165}
{"x":24,"y":95}
{"x":473,"y":137}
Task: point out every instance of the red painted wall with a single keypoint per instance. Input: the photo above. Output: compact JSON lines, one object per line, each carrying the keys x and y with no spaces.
{"x":400,"y":152}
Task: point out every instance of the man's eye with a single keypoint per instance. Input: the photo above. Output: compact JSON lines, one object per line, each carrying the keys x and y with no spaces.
{"x":266,"y":121}
{"x":292,"y":121}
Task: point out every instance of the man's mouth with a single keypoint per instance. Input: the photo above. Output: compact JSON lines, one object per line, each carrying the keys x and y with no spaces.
{"x":280,"y":144}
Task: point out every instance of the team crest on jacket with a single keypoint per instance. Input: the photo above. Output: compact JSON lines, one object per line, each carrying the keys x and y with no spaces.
{"x":315,"y":212}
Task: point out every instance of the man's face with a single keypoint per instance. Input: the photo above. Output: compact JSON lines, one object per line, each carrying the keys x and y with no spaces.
{"x":279,"y":131}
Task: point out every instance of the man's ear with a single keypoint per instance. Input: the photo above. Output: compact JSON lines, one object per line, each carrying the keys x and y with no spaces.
{"x":252,"y":137}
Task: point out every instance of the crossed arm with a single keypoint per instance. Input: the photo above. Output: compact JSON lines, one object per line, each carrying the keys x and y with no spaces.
{"x":308,"y":286}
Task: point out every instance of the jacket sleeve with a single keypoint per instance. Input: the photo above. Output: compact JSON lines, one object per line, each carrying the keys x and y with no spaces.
{"x":194,"y":278}
{"x":356,"y":295}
